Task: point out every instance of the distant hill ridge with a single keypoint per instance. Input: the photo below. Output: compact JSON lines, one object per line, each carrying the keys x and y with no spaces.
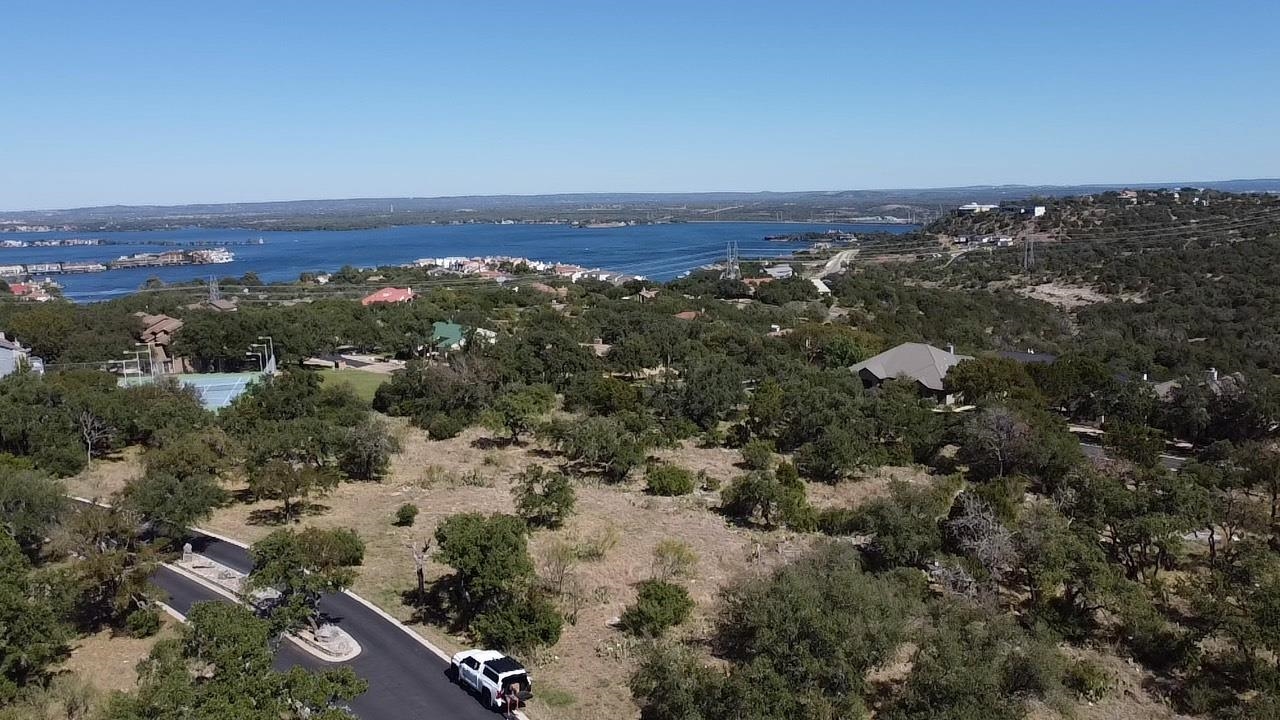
{"x":456,"y":202}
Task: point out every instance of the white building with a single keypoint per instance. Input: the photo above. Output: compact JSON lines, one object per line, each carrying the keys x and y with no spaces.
{"x":779,"y":272}
{"x":13,"y":356}
{"x":974,"y":207}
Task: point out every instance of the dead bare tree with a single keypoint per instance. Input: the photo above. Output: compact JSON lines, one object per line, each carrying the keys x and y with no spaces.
{"x":995,"y":438}
{"x":93,"y":431}
{"x":420,"y":566}
{"x":982,"y":536}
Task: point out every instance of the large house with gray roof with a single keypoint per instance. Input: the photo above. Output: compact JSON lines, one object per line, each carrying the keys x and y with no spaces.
{"x":925,"y":364}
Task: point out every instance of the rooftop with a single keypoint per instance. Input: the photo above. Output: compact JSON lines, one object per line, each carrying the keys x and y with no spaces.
{"x":926,"y":364}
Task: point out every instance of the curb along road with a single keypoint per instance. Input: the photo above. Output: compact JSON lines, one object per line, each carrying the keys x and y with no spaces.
{"x":407,"y":675}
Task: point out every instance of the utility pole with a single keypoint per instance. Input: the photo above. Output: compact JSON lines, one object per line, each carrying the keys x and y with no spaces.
{"x":732,"y":270}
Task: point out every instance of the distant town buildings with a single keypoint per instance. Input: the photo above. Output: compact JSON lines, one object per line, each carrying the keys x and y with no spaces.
{"x":779,"y":272}
{"x":33,"y":292}
{"x":974,"y":207}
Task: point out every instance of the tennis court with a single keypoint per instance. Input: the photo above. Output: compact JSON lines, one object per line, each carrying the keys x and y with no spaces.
{"x":216,"y":390}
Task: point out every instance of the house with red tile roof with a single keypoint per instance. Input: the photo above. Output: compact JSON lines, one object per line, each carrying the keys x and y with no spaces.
{"x":389,"y":296}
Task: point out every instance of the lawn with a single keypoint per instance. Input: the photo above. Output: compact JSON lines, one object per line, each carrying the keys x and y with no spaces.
{"x":364,"y":383}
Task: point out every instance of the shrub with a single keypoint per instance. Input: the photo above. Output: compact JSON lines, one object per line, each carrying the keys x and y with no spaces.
{"x":673,"y":559}
{"x":753,"y":495}
{"x":522,"y":624}
{"x":597,"y":545}
{"x":332,"y":546}
{"x":406,"y":514}
{"x":443,"y":427}
{"x":543,"y":498}
{"x":143,"y":622}
{"x":669,"y":480}
{"x":659,"y":605}
{"x":758,"y":455}
{"x":838,"y":521}
{"x":1088,"y":680}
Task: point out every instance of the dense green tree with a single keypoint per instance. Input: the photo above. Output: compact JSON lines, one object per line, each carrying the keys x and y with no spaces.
{"x":769,"y":498}
{"x":904,"y":526}
{"x":31,"y":636}
{"x":30,"y":505}
{"x":543,"y":498}
{"x":836,"y":453}
{"x":365,"y":452}
{"x":171,"y":502}
{"x":668,"y":480}
{"x":420,"y":391}
{"x":301,"y":567}
{"x":610,"y":445}
{"x":112,"y":567}
{"x":708,"y":391}
{"x":520,"y":624}
{"x":517,"y":408}
{"x":1141,"y":516}
{"x":985,"y":378}
{"x":600,"y":394}
{"x":969,"y":666}
{"x":819,"y":623}
{"x":231,"y":649}
{"x":1011,"y":440}
{"x":489,"y":556}
{"x":291,"y":484}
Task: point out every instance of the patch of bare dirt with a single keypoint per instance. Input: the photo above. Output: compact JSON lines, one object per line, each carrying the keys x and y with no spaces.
{"x":104,"y":476}
{"x":107,"y":662}
{"x":1067,"y":297}
{"x":858,"y":491}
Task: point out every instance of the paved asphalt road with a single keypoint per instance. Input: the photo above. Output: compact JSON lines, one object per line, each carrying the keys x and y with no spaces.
{"x":1171,"y":462}
{"x":406,"y":680}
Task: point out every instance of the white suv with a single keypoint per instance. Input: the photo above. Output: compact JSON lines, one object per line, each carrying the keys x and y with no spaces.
{"x":499,"y":680}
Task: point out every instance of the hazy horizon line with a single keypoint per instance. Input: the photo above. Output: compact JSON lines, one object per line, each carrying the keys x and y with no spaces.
{"x":358,"y":198}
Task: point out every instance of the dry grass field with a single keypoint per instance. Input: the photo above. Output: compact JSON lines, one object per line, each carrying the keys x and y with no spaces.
{"x":585,"y":675}
{"x":106,"y":662}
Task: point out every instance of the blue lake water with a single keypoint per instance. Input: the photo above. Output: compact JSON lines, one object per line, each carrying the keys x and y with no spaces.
{"x":656,"y":251}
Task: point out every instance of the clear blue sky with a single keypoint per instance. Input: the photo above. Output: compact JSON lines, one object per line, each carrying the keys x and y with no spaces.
{"x":171,"y":102}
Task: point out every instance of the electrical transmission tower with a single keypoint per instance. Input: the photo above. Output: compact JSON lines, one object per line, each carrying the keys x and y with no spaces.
{"x":732,"y":271}
{"x":214,"y":293}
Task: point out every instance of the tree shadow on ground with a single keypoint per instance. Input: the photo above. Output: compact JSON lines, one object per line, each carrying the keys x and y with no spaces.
{"x":435,"y":605}
{"x":492,"y":443}
{"x":278,"y":515}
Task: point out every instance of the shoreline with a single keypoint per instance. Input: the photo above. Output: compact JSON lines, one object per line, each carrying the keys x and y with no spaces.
{"x":387,"y":226}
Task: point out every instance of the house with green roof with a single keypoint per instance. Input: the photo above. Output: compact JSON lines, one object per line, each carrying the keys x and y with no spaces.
{"x":447,"y":336}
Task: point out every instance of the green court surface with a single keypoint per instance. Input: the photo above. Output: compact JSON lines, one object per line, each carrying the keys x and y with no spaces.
{"x":216,"y":390}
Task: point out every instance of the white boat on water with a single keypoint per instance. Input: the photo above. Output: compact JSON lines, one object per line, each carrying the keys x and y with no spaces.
{"x":216,"y":256}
